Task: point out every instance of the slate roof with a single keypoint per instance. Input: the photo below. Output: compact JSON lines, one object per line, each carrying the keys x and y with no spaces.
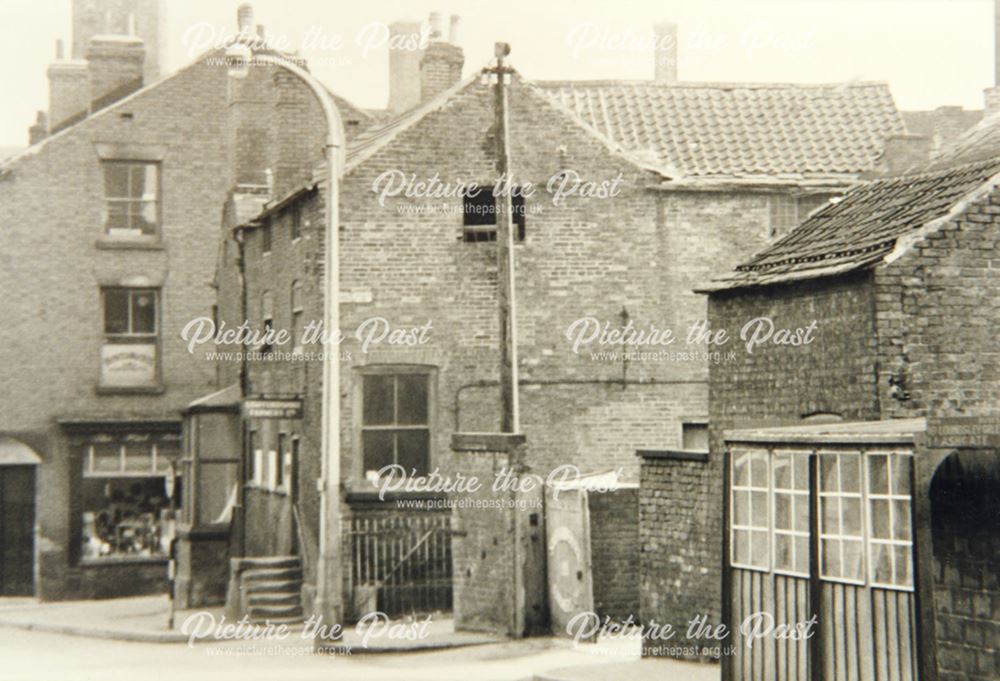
{"x":738,"y":129}
{"x":862,"y":228}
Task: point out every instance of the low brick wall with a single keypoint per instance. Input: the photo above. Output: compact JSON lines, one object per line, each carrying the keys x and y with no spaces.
{"x":614,"y":551}
{"x":681,"y":551}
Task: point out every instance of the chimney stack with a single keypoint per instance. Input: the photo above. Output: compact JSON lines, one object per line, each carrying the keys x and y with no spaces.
{"x":665,"y":52}
{"x":442,"y":61}
{"x":40,"y":129}
{"x":69,"y":87}
{"x":904,"y":153}
{"x":115,"y":67}
{"x":404,"y":65}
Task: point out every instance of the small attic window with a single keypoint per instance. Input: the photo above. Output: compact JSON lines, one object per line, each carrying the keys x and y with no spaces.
{"x":479,"y":215}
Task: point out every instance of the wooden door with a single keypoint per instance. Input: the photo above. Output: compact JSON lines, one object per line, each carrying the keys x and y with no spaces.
{"x":567,"y":524}
{"x":17,"y":530}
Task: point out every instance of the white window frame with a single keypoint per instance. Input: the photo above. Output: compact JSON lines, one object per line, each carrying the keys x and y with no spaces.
{"x":840,"y":495}
{"x":891,"y":496}
{"x":797,"y":458}
{"x":750,"y":530}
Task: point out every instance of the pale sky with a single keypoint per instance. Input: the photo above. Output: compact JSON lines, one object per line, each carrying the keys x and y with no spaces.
{"x":931,"y":52}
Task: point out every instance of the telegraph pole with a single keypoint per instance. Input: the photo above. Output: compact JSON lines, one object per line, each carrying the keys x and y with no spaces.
{"x":509,"y":408}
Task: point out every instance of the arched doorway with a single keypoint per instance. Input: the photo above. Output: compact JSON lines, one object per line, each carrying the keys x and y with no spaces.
{"x":18,"y":465}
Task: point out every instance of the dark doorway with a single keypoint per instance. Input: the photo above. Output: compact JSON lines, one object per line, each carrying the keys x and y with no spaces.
{"x":17,"y":530}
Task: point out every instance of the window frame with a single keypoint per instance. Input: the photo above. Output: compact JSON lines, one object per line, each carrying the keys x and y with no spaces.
{"x":298,"y":315}
{"x":430,"y":373}
{"x":798,"y":459}
{"x":840,"y":495}
{"x":129,"y":201}
{"x":892,"y":498}
{"x":481,"y":231}
{"x":130,"y":336}
{"x":749,"y":530}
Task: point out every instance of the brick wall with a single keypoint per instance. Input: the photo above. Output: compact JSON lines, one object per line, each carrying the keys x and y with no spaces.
{"x":614,"y":552}
{"x":51,"y":269}
{"x":498,"y":550}
{"x":935,"y":306}
{"x":680,"y":545}
{"x":966,"y":567}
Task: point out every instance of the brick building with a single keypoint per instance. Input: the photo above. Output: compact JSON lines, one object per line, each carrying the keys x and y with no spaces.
{"x":899,"y":381}
{"x":110,"y":226}
{"x":702,"y":177}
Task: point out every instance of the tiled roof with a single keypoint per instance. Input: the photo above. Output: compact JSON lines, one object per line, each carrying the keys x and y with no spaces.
{"x":739,"y":129}
{"x":861,"y":228}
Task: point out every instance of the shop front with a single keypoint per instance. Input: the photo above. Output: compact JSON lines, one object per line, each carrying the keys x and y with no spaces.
{"x":124,"y":495}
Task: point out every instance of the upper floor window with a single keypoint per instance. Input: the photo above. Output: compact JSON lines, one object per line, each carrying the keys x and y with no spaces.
{"x":131,"y":337}
{"x":395,"y":421}
{"x":132,"y":199}
{"x":479,"y":215}
{"x":295,"y":221}
{"x":265,"y":238}
{"x":297,"y":315}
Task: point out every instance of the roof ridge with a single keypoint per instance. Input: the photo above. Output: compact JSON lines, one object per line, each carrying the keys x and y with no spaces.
{"x":750,"y":85}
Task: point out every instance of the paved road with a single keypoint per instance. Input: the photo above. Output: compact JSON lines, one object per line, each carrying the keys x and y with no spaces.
{"x":38,"y":656}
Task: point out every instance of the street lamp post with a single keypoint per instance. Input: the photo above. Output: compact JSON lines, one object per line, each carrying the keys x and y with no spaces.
{"x":328,"y":580}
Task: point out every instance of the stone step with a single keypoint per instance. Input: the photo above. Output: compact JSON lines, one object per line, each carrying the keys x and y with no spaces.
{"x":275,"y":586}
{"x":272,"y":575}
{"x":274,"y":598}
{"x":277,"y":620}
{"x":272,"y":562}
{"x":275,"y":612}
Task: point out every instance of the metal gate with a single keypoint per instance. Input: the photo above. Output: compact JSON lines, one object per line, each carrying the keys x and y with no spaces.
{"x":567,"y":525}
{"x":400,"y":564}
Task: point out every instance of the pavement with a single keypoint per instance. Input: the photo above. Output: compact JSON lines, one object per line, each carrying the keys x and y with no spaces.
{"x":122,"y":632}
{"x":145,"y":619}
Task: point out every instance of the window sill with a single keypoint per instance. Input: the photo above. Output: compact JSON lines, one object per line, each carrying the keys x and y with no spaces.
{"x":119,"y":560}
{"x":158,"y":389}
{"x":112,"y":244}
{"x":364,"y":493}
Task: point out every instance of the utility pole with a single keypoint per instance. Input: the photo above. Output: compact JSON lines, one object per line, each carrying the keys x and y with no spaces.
{"x":509,"y":409}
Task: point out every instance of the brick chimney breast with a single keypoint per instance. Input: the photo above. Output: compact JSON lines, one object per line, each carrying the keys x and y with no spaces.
{"x":115,"y":65}
{"x":69,"y":89}
{"x":441,"y":63}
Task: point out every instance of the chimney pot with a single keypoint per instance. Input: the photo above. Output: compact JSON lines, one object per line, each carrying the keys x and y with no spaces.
{"x":39,"y":130}
{"x":665,"y":52}
{"x":456,"y":23}
{"x":437,"y":26}
{"x":59,"y":49}
{"x":244,"y":18}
